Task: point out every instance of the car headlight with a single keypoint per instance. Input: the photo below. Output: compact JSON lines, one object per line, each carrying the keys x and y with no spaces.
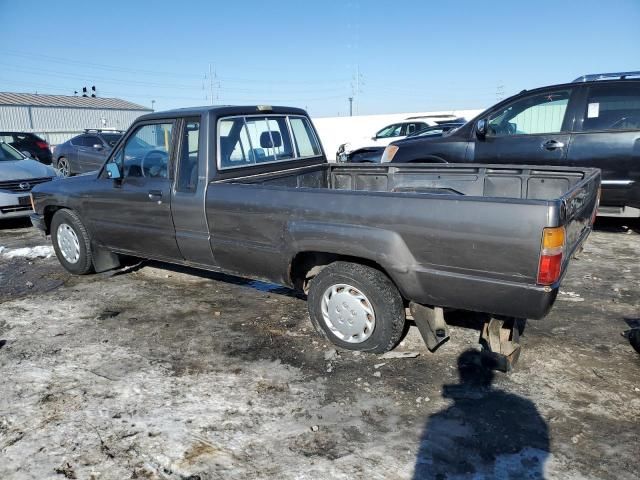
{"x":389,"y":153}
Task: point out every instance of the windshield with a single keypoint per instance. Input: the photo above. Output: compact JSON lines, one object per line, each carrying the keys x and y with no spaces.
{"x":111,"y":138}
{"x":8,"y":153}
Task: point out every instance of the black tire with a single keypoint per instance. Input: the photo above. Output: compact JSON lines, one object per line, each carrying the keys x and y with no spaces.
{"x":378,"y":289}
{"x":634,"y":339}
{"x":84,"y":264}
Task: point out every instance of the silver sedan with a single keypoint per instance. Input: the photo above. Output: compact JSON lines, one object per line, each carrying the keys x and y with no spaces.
{"x":18,"y":175}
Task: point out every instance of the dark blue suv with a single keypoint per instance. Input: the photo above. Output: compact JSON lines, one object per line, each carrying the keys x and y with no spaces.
{"x":85,"y":152}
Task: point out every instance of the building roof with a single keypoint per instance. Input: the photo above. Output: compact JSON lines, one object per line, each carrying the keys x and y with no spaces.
{"x":37,"y":100}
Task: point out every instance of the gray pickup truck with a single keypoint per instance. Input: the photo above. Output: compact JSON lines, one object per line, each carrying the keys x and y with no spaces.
{"x":248,"y":191}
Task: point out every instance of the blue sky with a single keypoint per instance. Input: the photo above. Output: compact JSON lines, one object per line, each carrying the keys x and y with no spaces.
{"x":411,"y":55}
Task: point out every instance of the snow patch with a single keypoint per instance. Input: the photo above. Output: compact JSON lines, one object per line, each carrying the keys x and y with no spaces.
{"x":41,"y":251}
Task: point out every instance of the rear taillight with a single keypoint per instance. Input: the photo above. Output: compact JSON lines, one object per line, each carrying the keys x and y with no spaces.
{"x":552,"y":248}
{"x":42,"y":144}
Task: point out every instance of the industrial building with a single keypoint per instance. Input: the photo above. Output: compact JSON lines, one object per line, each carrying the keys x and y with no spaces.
{"x":56,"y":118}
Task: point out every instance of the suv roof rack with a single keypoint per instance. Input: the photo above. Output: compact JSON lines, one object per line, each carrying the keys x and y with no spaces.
{"x":438,"y":115}
{"x":606,"y":76}
{"x":100,"y":130}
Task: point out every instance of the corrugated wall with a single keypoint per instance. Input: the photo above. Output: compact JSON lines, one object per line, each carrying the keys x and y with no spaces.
{"x":14,"y":118}
{"x":57,"y":124}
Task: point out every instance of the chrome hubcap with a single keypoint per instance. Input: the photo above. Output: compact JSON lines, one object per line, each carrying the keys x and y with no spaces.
{"x":63,"y":166}
{"x":68,"y":243}
{"x":348,"y":313}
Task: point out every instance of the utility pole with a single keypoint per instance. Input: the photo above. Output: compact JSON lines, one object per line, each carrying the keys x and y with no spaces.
{"x":153,"y":102}
{"x":499,"y":92}
{"x":211,"y":83}
{"x":356,"y":87}
{"x":351,"y":106}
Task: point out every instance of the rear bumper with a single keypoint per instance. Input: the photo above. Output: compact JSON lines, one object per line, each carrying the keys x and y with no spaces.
{"x":497,"y":297}
{"x":38,"y":222}
{"x":44,"y":156}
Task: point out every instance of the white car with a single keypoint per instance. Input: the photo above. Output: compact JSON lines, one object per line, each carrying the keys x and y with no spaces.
{"x":393,"y":132}
{"x":18,"y":175}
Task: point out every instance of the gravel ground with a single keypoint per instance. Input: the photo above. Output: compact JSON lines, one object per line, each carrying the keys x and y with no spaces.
{"x":156,"y":372}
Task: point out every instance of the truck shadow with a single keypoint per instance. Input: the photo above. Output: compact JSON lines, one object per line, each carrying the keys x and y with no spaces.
{"x":485,"y":433}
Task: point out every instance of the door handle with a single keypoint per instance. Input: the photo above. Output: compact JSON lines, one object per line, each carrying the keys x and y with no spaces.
{"x":155,"y":195}
{"x":552,"y":145}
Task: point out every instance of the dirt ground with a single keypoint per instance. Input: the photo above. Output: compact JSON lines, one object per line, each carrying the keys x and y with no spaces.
{"x":154,"y":372}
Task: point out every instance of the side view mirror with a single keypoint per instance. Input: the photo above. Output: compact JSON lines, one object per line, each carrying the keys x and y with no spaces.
{"x":26,"y":154}
{"x":481,"y":128}
{"x":97,"y":146}
{"x":113,"y":171}
{"x":374,"y":138}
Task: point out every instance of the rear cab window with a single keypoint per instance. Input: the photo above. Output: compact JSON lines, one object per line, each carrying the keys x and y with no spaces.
{"x":257,"y":139}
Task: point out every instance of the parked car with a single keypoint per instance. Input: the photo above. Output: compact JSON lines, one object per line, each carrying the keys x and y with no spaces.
{"x":393,"y":132}
{"x":29,"y":144}
{"x":251,"y":193}
{"x":18,"y":175}
{"x":374,"y":154}
{"x":592,"y":122}
{"x":85,"y":152}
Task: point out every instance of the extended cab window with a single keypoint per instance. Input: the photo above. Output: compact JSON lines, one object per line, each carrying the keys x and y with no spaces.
{"x":306,"y":144}
{"x":189,"y":153}
{"x":612,"y":107}
{"x":543,"y":113}
{"x":251,"y":140}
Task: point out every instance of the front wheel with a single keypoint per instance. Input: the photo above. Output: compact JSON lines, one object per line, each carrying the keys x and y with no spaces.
{"x":356,"y":307}
{"x":64,"y":166}
{"x":71,"y":242}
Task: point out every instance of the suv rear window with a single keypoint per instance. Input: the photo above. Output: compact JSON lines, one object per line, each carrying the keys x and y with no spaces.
{"x":255,"y":139}
{"x":612,"y":107}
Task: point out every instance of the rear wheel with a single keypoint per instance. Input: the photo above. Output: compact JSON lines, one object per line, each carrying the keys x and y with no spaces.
{"x":71,"y":242}
{"x":356,"y":307}
{"x":63,"y":165}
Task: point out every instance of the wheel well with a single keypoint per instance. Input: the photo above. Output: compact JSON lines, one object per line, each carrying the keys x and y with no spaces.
{"x":306,"y":265}
{"x":49,"y":212}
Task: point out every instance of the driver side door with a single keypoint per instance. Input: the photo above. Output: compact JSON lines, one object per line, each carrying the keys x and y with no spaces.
{"x":133,"y":214}
{"x":531,"y":130}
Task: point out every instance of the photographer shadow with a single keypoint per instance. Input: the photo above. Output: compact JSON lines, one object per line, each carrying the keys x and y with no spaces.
{"x":486,"y":433}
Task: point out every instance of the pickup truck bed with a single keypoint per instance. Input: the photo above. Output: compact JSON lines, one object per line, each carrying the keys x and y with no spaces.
{"x":448,"y":235}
